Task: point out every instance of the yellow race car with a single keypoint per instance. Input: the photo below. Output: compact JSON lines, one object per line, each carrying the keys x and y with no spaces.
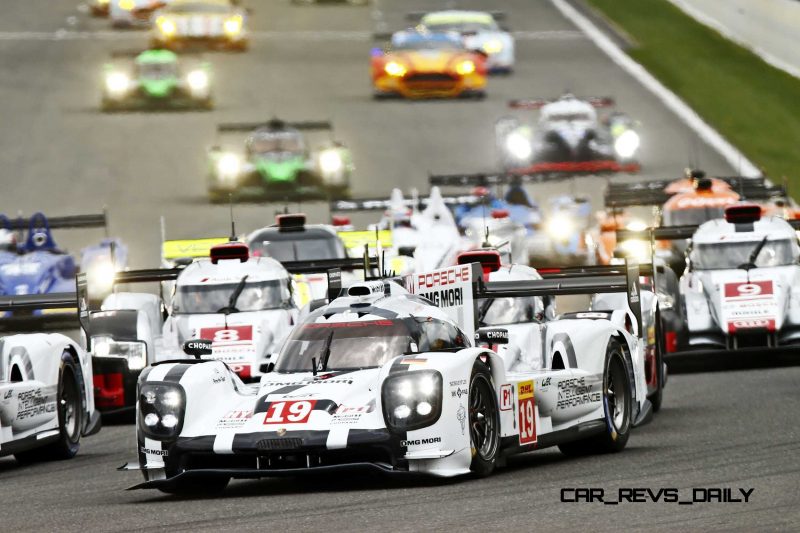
{"x":423,"y":64}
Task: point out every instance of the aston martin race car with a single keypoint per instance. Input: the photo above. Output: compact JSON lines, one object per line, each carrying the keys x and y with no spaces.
{"x":424,"y":64}
{"x":479,"y":30}
{"x":127,"y":13}
{"x":386,"y":378}
{"x":739,"y":292}
{"x":36,"y":265}
{"x":215,"y":24}
{"x":277,"y":164}
{"x":568,"y":137}
{"x":46,"y":396}
{"x":156,"y":79}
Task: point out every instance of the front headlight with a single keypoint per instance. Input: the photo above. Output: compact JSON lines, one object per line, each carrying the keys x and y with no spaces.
{"x":493,"y":46}
{"x":197,"y":80}
{"x":636,"y":225}
{"x":161,"y":409}
{"x":229,"y":165}
{"x":626,"y":144}
{"x":134,"y":351}
{"x":518,"y":146}
{"x":560,"y":227}
{"x":412,"y":400}
{"x":636,"y":249}
{"x":127,"y":5}
{"x":166,"y":26}
{"x":330,"y":161}
{"x":100,"y":277}
{"x":465,"y":67}
{"x":117,"y":83}
{"x":393,"y":68}
{"x":233,"y":25}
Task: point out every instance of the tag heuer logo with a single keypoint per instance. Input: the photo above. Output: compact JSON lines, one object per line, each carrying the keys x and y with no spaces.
{"x":281,"y":432}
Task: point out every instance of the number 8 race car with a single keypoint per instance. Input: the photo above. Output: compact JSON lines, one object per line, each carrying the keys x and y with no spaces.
{"x":383,"y":379}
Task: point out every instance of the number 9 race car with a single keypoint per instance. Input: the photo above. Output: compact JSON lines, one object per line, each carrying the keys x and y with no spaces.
{"x":382,"y":379}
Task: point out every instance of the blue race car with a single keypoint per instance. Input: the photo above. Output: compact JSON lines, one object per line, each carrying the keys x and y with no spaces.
{"x":36,"y":265}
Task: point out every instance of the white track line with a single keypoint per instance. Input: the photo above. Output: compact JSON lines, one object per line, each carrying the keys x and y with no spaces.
{"x":734,"y":157}
{"x":363,"y":36}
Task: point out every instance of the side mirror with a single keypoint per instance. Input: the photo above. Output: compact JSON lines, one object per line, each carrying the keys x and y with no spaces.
{"x":490,"y":336}
{"x":197,"y":347}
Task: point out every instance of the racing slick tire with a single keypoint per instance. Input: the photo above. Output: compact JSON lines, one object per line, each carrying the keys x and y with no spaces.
{"x":484,"y":421}
{"x":617,"y":405}
{"x":69,"y":406}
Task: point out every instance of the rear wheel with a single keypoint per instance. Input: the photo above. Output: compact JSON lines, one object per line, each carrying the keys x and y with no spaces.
{"x":484,"y":422}
{"x":617,"y":404}
{"x":70,"y":418}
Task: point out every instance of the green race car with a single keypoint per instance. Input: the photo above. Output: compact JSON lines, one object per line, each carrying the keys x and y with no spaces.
{"x":156,"y":79}
{"x":277,"y":164}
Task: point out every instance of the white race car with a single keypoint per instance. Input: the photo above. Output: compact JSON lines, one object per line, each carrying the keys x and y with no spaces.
{"x":46,"y":395}
{"x":383,"y":379}
{"x":479,"y":30}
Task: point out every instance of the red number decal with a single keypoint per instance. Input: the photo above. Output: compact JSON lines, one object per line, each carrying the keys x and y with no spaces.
{"x":527,"y":413}
{"x":296,"y":412}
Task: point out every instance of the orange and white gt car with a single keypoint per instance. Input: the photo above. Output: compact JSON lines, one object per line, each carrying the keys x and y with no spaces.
{"x":422,"y":64}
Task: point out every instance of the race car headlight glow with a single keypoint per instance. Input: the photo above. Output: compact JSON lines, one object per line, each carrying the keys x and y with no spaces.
{"x":518,"y":146}
{"x":412,"y":400}
{"x":493,"y":46}
{"x":127,"y":5}
{"x":330,"y":161}
{"x":636,"y":225}
{"x":393,"y":68}
{"x":117,"y":83}
{"x":229,"y":165}
{"x":636,"y":249}
{"x":197,"y":80}
{"x":233,"y":25}
{"x":465,"y":67}
{"x":166,"y":26}
{"x":626,"y":144}
{"x":100,"y":278}
{"x":134,"y":352}
{"x":560,"y":227}
{"x":161,"y":409}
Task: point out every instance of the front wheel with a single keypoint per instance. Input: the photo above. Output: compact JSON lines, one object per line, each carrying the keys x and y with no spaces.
{"x":484,"y":422}
{"x":617,"y":407}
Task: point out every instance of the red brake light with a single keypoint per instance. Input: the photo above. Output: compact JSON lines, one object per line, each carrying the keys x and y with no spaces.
{"x":230,"y":250}
{"x":743,"y":213}
{"x":340,"y":220}
{"x":499,"y":213}
{"x":489,"y":259}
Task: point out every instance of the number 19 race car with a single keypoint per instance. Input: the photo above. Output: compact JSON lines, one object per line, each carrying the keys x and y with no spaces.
{"x":386,"y":377}
{"x":46,"y":395}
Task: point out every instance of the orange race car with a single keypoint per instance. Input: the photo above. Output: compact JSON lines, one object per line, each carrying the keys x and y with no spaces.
{"x":422,"y":64}
{"x":688,"y":201}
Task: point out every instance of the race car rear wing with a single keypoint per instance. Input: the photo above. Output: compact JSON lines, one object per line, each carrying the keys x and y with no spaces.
{"x":185,"y":249}
{"x":324,"y":265}
{"x":32,"y":312}
{"x":382,"y":204}
{"x":488,"y":179}
{"x":319,"y":125}
{"x":663,"y":233}
{"x":538,"y":103}
{"x":95,"y":220}
{"x":653,"y":192}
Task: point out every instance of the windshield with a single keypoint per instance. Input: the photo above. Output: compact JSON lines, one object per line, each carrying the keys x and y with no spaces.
{"x":364,"y":344}
{"x":694,"y":216}
{"x":211,"y":298}
{"x":301,"y":249}
{"x":198,"y":7}
{"x":569,"y":117}
{"x":501,"y":311}
{"x":284,"y":143}
{"x":461,"y":26}
{"x":158,"y":71}
{"x":729,"y":255}
{"x":427,"y":44}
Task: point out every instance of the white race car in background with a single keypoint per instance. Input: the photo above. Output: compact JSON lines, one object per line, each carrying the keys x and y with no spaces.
{"x":46,"y":394}
{"x":383,"y":379}
{"x":479,"y":31}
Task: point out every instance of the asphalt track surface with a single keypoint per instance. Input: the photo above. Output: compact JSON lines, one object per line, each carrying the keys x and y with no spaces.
{"x":60,"y":155}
